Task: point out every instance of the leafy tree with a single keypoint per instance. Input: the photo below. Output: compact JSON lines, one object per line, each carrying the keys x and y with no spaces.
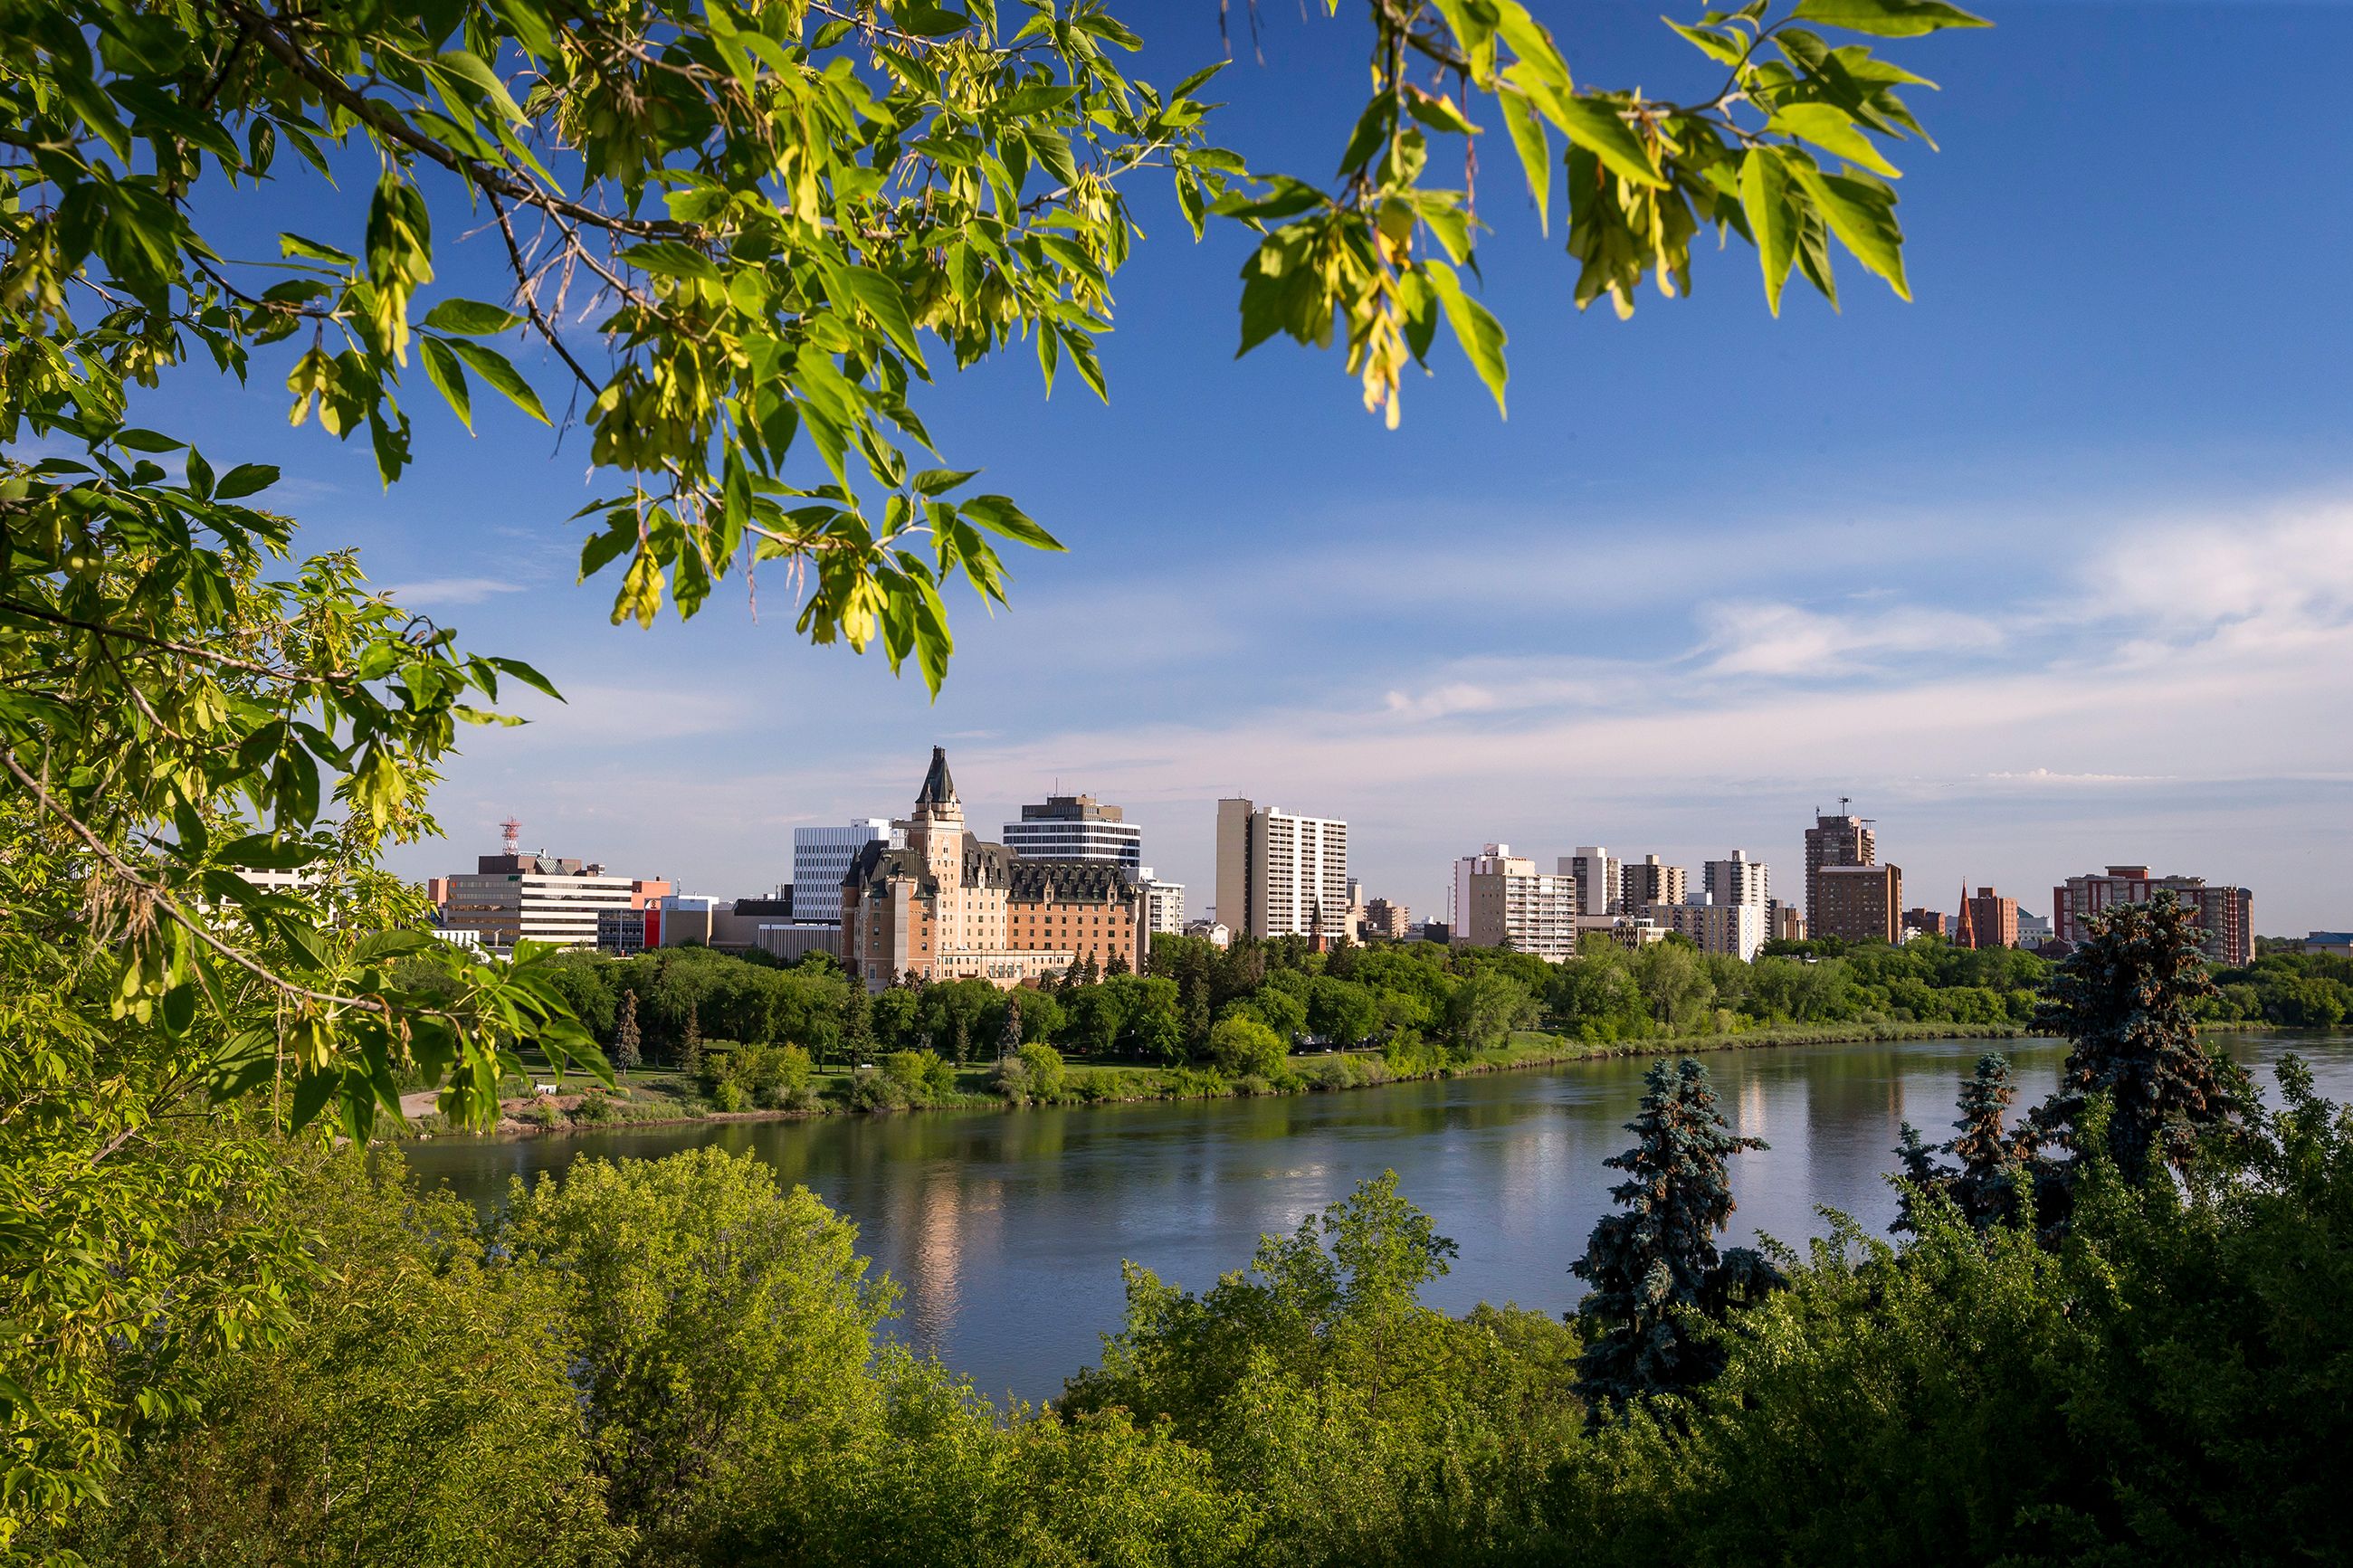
{"x":1484,"y":1010}
{"x":857,"y":1024}
{"x":1994,"y":1160}
{"x":627,"y":1054}
{"x":1655,"y":1268}
{"x":2125,"y":1000}
{"x":1043,"y":1064}
{"x":1242,"y":1047}
{"x":714,"y":1322}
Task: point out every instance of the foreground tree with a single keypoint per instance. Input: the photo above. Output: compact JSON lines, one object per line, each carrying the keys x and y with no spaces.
{"x":2126,"y":1001}
{"x":1655,"y":1267}
{"x":1993,"y":1160}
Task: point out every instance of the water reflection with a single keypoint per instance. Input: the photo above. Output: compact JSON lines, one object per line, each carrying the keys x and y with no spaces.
{"x":1006,"y":1230}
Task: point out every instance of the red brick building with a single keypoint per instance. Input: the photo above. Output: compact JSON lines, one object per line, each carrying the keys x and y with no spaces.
{"x":2226,"y":913}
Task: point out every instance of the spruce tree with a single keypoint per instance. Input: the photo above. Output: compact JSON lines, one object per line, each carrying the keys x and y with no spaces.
{"x":1089,"y":974}
{"x":960,"y":1047}
{"x":1654,"y":1266}
{"x":626,"y":1044}
{"x":690,"y":1048}
{"x":1118,"y":964}
{"x":1072,"y":976}
{"x":2124,"y":1000}
{"x":1993,"y":1160}
{"x":1009,"y":1038}
{"x":857,"y":1025}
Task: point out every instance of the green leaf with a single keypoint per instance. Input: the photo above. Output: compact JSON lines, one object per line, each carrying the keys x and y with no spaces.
{"x":471,"y":317}
{"x":1887,"y":18}
{"x":1595,"y":124}
{"x":245,"y":479}
{"x":1833,"y":130}
{"x":267,"y":852}
{"x":1534,"y":148}
{"x":880,"y":297}
{"x":671,"y":258}
{"x":528,"y":676}
{"x":1000,"y":516}
{"x":1475,"y":328}
{"x":295,"y":245}
{"x":939,"y":481}
{"x":442,"y":367}
{"x":140,"y":441}
{"x":1765,"y":197}
{"x":1861,"y":213}
{"x":493,"y":368}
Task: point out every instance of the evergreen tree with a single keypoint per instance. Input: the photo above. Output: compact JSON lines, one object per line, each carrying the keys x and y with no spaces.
{"x":1089,"y":974}
{"x":857,"y":1025}
{"x":2124,"y":1000}
{"x":1192,"y":1001}
{"x":1009,"y":1038}
{"x":961,"y":1040}
{"x":690,"y":1047}
{"x":1118,"y":964}
{"x":1075,"y":975}
{"x":626,"y":1044}
{"x":1655,"y":1264}
{"x":1993,"y":1160}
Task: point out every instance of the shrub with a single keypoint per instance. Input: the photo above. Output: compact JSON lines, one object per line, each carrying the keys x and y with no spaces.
{"x":595,"y":1108}
{"x":728,"y":1095}
{"x":1043,"y":1065}
{"x":544,"y":1112}
{"x":872,"y":1090}
{"x":1242,"y":1047}
{"x":1010,"y":1078}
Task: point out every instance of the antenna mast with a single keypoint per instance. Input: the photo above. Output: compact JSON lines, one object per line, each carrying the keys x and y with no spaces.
{"x":511,"y":832}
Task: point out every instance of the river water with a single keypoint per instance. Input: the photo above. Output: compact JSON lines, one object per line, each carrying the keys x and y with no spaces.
{"x":1005,"y":1229}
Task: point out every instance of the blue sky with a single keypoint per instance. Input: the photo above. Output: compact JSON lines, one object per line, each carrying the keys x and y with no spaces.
{"x":2051,"y":568}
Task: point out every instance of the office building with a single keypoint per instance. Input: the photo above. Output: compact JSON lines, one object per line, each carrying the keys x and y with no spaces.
{"x":1739,"y":880}
{"x":1500,"y":900}
{"x":1646,"y":881}
{"x":1596,"y":870}
{"x":514,"y":896}
{"x":1835,"y":841}
{"x":1078,"y":828}
{"x":2033,"y":931}
{"x":2227,"y":914}
{"x":1987,"y":919}
{"x":1281,"y":875}
{"x":821,"y":858}
{"x":1386,"y":920}
{"x":1784,"y":922}
{"x":621,"y":931}
{"x":1737,"y":931}
{"x":1164,"y":904}
{"x":1927,"y":923}
{"x":1857,"y":903}
{"x":944,"y":905}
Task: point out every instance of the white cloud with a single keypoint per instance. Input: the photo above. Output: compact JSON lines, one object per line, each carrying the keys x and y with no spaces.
{"x":436,"y":592}
{"x":1780,"y":639}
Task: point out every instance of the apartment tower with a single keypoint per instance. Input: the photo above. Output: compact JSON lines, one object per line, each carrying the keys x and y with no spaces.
{"x":1500,"y":900}
{"x":1281,"y":875}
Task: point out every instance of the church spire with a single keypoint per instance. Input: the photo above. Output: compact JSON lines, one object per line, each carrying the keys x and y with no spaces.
{"x":1966,"y":935}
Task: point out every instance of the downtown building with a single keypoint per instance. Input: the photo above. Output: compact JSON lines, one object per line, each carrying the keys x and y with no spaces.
{"x":1848,"y":894}
{"x":1739,"y":880}
{"x":1078,"y":828}
{"x":2226,"y":914}
{"x":1647,"y":881}
{"x":821,"y":858}
{"x":513,"y":897}
{"x":944,"y":905}
{"x":1735,"y":930}
{"x":1500,"y":900}
{"x":1281,"y":875}
{"x":1987,"y":919}
{"x":1164,"y":904}
{"x":1599,"y":882}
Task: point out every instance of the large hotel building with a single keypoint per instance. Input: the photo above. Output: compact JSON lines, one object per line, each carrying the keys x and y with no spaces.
{"x":943,"y":905}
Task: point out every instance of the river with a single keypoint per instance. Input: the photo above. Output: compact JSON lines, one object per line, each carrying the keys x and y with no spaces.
{"x":1005,"y":1229}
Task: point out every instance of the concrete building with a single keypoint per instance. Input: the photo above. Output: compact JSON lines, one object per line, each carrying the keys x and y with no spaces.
{"x":514,"y":898}
{"x":1835,"y":841}
{"x":2226,"y":913}
{"x":1647,"y":881}
{"x":1501,"y":900}
{"x":1927,"y":923}
{"x":1164,"y":904}
{"x":621,"y":931}
{"x":1739,"y":880}
{"x":1281,"y":875}
{"x":1597,"y":883}
{"x":948,"y":906}
{"x":1737,"y":931}
{"x":1635,"y":932}
{"x":1987,"y":919}
{"x":1857,"y":903}
{"x":1078,"y":828}
{"x":1784,"y":922}
{"x":821,"y":858}
{"x":1386,"y":920}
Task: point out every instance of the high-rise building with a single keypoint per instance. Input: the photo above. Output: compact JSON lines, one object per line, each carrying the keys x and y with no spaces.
{"x":514,"y":898}
{"x":1281,"y":875}
{"x":1387,"y":918}
{"x":1596,"y":873}
{"x":2227,"y":914}
{"x":947,"y":906}
{"x":1857,"y":903}
{"x":1164,"y":904}
{"x":1834,"y":841}
{"x":1501,"y":900}
{"x":1987,"y":919}
{"x":1927,"y":923}
{"x":1078,"y":828}
{"x":1784,"y":922}
{"x":821,"y":855}
{"x":1737,"y":931}
{"x":1647,"y":881}
{"x":1739,"y":880}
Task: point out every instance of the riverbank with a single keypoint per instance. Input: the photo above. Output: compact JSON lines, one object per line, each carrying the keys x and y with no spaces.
{"x":662,"y":1098}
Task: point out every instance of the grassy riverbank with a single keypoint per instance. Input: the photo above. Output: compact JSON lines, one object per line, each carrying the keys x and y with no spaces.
{"x":661,"y":1096}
